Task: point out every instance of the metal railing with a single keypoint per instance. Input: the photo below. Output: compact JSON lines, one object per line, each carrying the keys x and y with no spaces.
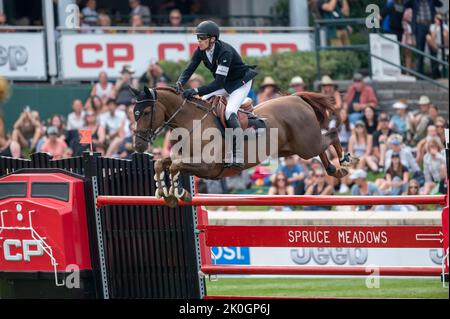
{"x":319,"y":23}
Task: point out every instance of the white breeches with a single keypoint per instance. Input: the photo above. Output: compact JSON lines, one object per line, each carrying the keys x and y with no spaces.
{"x":235,"y":99}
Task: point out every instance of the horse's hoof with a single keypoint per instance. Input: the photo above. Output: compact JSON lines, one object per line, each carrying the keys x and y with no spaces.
{"x":331,"y":170}
{"x":171,"y":201}
{"x":341,"y":172}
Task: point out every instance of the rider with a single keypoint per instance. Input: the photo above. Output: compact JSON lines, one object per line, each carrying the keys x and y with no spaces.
{"x":232,"y":76}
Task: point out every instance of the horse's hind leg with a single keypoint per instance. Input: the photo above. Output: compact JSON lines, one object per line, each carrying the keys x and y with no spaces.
{"x":327,"y":140}
{"x":345,"y":159}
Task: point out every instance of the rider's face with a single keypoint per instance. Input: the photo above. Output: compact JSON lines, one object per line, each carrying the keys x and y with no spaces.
{"x":204,"y":43}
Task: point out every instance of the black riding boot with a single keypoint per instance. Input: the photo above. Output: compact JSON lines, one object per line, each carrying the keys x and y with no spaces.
{"x":237,"y":156}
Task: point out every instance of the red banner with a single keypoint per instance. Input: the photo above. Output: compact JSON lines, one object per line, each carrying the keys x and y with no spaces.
{"x":325,"y":236}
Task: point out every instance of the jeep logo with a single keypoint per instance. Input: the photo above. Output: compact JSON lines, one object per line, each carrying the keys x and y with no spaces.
{"x":14,"y":55}
{"x":29,"y":248}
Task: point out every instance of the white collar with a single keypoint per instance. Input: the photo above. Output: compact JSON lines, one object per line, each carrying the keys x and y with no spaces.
{"x":211,"y":51}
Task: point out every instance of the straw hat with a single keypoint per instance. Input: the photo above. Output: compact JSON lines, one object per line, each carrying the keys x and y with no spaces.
{"x":424,"y":100}
{"x":126,"y":68}
{"x":268,"y":80}
{"x":327,"y":80}
{"x":297,"y":80}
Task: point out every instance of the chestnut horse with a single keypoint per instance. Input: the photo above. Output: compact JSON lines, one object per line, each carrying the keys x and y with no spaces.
{"x":298,"y":121}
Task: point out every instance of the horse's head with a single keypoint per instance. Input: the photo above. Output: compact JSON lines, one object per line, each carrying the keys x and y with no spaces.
{"x":147,"y":117}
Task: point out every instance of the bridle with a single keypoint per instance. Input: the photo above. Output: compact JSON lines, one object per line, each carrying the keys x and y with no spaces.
{"x":150,"y":135}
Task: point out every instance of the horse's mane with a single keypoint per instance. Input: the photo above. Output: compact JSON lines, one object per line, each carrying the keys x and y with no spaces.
{"x":322,"y":105}
{"x":174,"y":91}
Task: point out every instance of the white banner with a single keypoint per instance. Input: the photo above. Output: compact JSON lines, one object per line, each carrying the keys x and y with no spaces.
{"x":83,"y":56}
{"x":22,"y":56}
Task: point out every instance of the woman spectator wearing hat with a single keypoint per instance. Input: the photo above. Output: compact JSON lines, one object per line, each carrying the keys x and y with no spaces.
{"x":296,"y":85}
{"x":395,"y":142}
{"x":360,"y":144}
{"x":328,"y":87}
{"x":54,"y":145}
{"x":123,"y":94}
{"x":268,"y":90}
{"x":399,"y":121}
{"x":359,"y":95}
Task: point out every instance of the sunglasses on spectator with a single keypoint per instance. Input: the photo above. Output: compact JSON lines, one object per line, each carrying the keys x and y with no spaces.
{"x":440,"y":126}
{"x":414,"y":187}
{"x":202,"y":37}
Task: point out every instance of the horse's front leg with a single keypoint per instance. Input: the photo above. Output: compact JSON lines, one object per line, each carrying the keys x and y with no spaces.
{"x":160,"y":168}
{"x":179,"y":167}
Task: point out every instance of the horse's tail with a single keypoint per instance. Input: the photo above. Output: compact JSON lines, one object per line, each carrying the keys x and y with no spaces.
{"x":323,"y":107}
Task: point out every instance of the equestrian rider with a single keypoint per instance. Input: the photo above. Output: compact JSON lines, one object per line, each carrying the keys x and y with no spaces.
{"x":232,"y":77}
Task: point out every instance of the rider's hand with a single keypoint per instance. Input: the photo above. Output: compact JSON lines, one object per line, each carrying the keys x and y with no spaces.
{"x":189,"y":93}
{"x":179,"y":87}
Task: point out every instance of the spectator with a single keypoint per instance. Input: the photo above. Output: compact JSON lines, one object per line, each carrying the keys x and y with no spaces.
{"x":9,"y":148}
{"x":110,"y":123}
{"x":407,"y":159}
{"x":54,"y":145}
{"x":95,"y":104}
{"x":413,"y":190}
{"x":120,"y":145}
{"x":281,"y":186}
{"x":432,"y":135}
{"x":295,"y":173}
{"x":370,"y":120}
{"x":360,"y":145}
{"x":433,"y":113}
{"x":104,"y":22}
{"x":380,"y":138}
{"x":319,"y":187}
{"x":27,"y":129}
{"x":441,"y":125}
{"x":196,"y":81}
{"x":268,"y":90}
{"x":362,"y":187}
{"x":75,"y":119}
{"x":335,"y":9}
{"x":57,"y":121}
{"x":359,"y":95}
{"x":103,"y":88}
{"x":328,"y":87}
{"x":399,"y":122}
{"x":419,"y":120}
{"x":433,"y":162}
{"x":136,"y":24}
{"x":90,"y":13}
{"x":346,"y":128}
{"x":435,"y":43}
{"x":175,"y":18}
{"x":3,"y":20}
{"x":395,"y":10}
{"x":396,"y":179}
{"x":123,"y":94}
{"x":153,"y":74}
{"x":138,"y":9}
{"x":408,"y":37}
{"x":423,"y":12}
{"x":296,"y":85}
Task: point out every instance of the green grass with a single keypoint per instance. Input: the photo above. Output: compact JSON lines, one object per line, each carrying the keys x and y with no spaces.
{"x":333,"y":287}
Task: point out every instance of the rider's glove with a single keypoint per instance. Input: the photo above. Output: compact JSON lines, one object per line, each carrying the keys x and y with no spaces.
{"x":189,"y":93}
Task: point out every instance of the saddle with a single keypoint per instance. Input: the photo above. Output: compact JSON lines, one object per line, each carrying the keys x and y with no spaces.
{"x":220,"y":102}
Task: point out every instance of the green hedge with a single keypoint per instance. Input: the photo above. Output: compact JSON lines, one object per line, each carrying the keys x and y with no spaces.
{"x":340,"y":65}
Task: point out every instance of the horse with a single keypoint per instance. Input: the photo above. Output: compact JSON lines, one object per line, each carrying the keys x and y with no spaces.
{"x":297,"y":119}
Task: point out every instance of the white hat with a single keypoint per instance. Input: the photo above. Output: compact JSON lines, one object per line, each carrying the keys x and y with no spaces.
{"x":399,"y":106}
{"x":297,"y":80}
{"x":359,"y":173}
{"x":424,"y":100}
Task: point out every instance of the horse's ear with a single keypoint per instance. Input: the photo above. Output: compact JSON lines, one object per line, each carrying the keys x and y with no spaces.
{"x":133,"y":91}
{"x":147,"y":91}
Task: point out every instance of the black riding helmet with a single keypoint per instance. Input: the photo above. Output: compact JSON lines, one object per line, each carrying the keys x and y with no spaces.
{"x":209,"y":28}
